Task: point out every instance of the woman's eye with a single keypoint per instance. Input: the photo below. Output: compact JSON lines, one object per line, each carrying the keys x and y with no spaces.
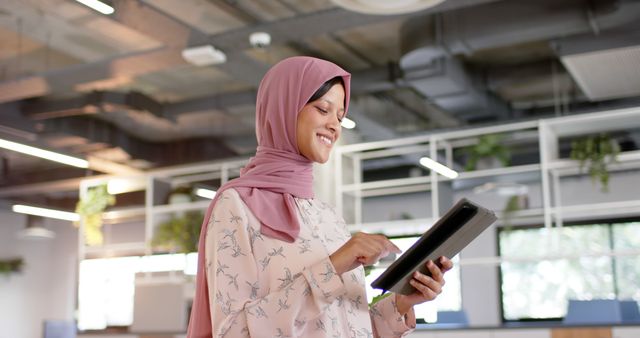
{"x":323,"y":111}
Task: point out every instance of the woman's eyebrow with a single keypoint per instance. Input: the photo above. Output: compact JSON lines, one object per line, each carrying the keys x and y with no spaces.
{"x":331,"y":103}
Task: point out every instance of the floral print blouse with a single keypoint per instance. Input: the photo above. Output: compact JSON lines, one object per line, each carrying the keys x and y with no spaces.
{"x":264,"y":287}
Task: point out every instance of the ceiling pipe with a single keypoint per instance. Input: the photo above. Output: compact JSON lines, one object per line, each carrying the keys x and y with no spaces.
{"x":429,"y":44}
{"x":370,"y":80}
{"x":466,"y":31}
{"x":233,"y":42}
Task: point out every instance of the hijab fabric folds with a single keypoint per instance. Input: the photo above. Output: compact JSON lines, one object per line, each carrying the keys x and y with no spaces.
{"x":278,"y":172}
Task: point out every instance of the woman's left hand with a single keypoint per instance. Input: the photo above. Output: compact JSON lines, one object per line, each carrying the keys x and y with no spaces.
{"x":427,"y":287}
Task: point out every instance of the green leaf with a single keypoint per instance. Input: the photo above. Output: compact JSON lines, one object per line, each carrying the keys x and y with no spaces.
{"x":90,"y":209}
{"x":180,"y":233}
{"x":379,"y":298}
{"x":594,"y":153}
{"x":488,"y":146}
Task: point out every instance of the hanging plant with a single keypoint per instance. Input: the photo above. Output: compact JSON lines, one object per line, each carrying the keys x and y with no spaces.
{"x":90,"y":209}
{"x":9,"y":266}
{"x":488,"y":146}
{"x":595,"y":152}
{"x":180,"y":233}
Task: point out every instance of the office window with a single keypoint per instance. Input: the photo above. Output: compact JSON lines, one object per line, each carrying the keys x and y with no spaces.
{"x":626,"y":239}
{"x":105,"y":292}
{"x":544,"y":268}
{"x":449,"y":300}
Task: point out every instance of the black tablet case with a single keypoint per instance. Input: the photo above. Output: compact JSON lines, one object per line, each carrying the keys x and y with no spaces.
{"x":447,"y":237}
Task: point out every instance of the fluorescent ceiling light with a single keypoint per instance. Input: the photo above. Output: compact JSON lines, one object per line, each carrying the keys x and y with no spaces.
{"x":98,"y":6}
{"x":43,"y":212}
{"x":348,"y":123}
{"x":122,"y":185}
{"x":206,"y":193}
{"x":204,"y":55}
{"x":46,"y":154}
{"x":439,"y":168}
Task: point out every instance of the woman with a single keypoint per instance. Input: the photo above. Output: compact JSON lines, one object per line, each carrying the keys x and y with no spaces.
{"x":274,"y":261}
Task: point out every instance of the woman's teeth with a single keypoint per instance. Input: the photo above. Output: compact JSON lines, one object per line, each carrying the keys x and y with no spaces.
{"x":325,"y":140}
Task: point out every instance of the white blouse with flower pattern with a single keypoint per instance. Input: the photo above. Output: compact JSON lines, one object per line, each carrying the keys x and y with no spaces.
{"x":264,"y":287}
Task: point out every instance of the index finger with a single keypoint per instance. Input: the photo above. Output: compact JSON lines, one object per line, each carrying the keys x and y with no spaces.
{"x":390,"y":245}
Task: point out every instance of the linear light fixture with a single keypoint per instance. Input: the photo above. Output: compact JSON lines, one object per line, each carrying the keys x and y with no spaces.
{"x":43,"y":212}
{"x":98,"y":6}
{"x":439,"y":168}
{"x":122,"y":185}
{"x":348,"y":123}
{"x":206,"y":193}
{"x":46,"y":154}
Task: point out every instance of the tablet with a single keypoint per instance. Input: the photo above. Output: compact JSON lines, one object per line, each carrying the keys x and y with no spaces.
{"x":447,"y":237}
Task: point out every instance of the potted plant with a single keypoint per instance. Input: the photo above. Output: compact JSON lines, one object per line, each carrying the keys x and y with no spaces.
{"x":595,"y":152}
{"x":90,"y":209}
{"x":488,"y":147}
{"x":8,"y":266}
{"x":180,"y":233}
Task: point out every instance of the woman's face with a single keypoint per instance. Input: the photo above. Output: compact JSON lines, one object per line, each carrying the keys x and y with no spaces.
{"x":318,"y":127}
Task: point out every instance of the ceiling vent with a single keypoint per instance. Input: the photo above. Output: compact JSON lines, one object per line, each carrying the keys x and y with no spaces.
{"x":204,"y":55}
{"x":606,"y":66}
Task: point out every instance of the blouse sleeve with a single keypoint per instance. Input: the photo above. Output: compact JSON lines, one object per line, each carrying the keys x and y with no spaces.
{"x":240,"y":306}
{"x":387,"y":321}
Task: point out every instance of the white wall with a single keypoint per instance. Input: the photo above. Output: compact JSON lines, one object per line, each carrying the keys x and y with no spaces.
{"x":46,"y":287}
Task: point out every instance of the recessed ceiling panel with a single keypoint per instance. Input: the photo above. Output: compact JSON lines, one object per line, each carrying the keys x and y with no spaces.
{"x":606,"y":74}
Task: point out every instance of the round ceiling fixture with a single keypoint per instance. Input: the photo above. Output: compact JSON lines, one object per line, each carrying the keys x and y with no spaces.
{"x":36,"y":234}
{"x":386,"y":7}
{"x":260,"y":39}
{"x":35,"y":231}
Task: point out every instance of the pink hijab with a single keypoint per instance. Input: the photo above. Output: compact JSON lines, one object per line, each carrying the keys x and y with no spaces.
{"x":278,"y":171}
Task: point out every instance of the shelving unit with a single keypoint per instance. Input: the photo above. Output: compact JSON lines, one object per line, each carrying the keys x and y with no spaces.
{"x":351,"y":190}
{"x":157,"y":186}
{"x":546,"y":174}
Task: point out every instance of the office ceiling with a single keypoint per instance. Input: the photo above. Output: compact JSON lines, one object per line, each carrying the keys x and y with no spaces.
{"x":115,"y":89}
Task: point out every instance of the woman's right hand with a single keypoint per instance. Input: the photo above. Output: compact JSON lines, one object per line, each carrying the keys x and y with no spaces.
{"x":362,"y":249}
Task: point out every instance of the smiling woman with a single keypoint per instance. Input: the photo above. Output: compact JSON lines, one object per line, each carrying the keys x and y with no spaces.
{"x":318,"y":127}
{"x":273,"y":260}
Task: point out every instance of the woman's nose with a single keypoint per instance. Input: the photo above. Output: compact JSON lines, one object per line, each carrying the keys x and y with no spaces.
{"x":334,"y":123}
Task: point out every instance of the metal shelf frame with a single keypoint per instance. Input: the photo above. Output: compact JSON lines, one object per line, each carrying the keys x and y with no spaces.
{"x":551,"y":168}
{"x":153,"y":210}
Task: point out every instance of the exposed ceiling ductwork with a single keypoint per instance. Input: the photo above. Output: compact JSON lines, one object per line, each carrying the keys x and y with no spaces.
{"x":430,"y":45}
{"x":119,"y":89}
